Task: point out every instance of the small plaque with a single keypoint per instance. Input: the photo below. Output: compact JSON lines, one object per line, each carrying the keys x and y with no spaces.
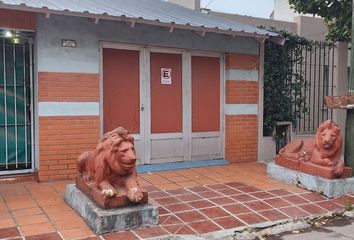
{"x":68,"y":43}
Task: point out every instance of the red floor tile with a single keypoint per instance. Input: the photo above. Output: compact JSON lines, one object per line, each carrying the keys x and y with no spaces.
{"x":243,"y":198}
{"x":344,"y":200}
{"x":249,"y":189}
{"x":47,"y":236}
{"x":198,"y":189}
{"x":214,"y":212}
{"x":10,"y":232}
{"x":151,"y":189}
{"x":295,"y":199}
{"x":329,"y":205}
{"x":277,"y":202}
{"x":163,"y":218}
{"x":126,"y":235}
{"x":237,"y":208}
{"x":209,"y":194}
{"x":251,"y":218}
{"x":312,"y":208}
{"x":191,"y":216}
{"x":180,"y":191}
{"x":222,"y":201}
{"x":262,"y":195}
{"x":280,"y":192}
{"x":229,"y":192}
{"x":201,"y":204}
{"x":273,"y":215}
{"x":189,"y":197}
{"x":186,"y":230}
{"x":178,"y":207}
{"x":171,"y":219}
{"x":257,"y":205}
{"x":162,"y":211}
{"x":179,"y":229}
{"x":204,"y":226}
{"x":158,"y":194}
{"x":151,"y":232}
{"x":167,"y":200}
{"x":293,"y":212}
{"x":236,"y":184}
{"x":218,"y":186}
{"x":228,"y":222}
{"x":313,"y":197}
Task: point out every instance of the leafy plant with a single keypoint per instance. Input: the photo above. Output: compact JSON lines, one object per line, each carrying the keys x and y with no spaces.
{"x":337,"y":15}
{"x":283,"y":81}
{"x":349,"y":206}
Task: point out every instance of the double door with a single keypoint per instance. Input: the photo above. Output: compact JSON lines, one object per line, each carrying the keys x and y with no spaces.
{"x":169,"y":100}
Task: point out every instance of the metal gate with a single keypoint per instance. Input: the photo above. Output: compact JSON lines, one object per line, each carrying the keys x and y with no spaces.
{"x":16,"y":113}
{"x":317,"y":67}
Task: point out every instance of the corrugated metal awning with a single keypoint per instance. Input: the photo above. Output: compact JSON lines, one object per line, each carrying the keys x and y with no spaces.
{"x":151,"y":12}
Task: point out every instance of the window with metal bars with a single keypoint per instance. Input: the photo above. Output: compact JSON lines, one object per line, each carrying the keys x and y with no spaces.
{"x":16,"y":75}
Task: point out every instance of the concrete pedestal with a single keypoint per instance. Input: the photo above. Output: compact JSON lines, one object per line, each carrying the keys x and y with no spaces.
{"x":113,"y":220}
{"x":327,"y":187}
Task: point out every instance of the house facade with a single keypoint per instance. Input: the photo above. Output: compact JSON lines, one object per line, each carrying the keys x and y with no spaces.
{"x":185,"y":84}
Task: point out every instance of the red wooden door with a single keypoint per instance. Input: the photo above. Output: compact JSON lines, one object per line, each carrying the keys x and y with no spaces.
{"x":166,"y":99}
{"x":121,"y":105}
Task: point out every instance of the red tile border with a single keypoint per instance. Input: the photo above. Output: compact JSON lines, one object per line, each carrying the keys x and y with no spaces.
{"x":10,"y":232}
{"x":229,"y":222}
{"x":293,"y":212}
{"x":127,"y":235}
{"x":273,"y":215}
{"x":251,"y":218}
{"x":204,"y":226}
{"x":312,"y":208}
{"x":151,"y":232}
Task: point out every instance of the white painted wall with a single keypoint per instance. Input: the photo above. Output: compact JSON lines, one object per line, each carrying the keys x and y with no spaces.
{"x":283,"y":12}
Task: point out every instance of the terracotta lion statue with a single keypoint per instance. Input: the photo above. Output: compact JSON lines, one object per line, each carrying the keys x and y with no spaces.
{"x":112,"y":165}
{"x":324,"y":150}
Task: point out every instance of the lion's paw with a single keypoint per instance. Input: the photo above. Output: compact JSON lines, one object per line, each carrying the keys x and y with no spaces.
{"x":108,"y":192}
{"x":135,"y":195}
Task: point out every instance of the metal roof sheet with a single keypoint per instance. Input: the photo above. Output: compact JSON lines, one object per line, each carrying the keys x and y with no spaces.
{"x":155,"y":12}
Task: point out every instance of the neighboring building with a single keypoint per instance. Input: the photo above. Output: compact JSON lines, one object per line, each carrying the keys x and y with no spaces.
{"x":323,"y":67}
{"x":70,"y":72}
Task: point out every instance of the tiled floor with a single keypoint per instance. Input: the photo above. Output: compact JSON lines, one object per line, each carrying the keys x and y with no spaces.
{"x":191,"y":201}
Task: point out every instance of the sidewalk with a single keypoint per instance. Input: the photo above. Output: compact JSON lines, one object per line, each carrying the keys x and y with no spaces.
{"x":191,"y":201}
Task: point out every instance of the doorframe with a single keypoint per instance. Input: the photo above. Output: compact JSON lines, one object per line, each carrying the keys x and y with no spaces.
{"x":145,"y":135}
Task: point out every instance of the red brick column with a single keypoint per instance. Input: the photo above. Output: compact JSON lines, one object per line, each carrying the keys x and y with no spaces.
{"x":241,"y":104}
{"x":62,"y":135}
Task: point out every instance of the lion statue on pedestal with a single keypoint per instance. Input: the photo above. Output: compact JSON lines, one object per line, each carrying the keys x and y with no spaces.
{"x":112,"y":165}
{"x":324,"y":150}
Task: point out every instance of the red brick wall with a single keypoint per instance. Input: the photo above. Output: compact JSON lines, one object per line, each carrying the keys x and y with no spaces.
{"x":17,"y":19}
{"x":61,"y":141}
{"x":242,"y":92}
{"x":68,"y":87}
{"x":241,"y":138}
{"x":241,"y":130}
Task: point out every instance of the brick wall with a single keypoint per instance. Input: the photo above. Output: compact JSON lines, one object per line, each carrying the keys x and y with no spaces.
{"x":242,"y":92}
{"x":63,"y":138}
{"x":241,"y":128}
{"x":61,"y":141}
{"x":68,"y":87}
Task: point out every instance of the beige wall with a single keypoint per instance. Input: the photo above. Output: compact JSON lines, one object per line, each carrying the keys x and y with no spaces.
{"x":311,"y":27}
